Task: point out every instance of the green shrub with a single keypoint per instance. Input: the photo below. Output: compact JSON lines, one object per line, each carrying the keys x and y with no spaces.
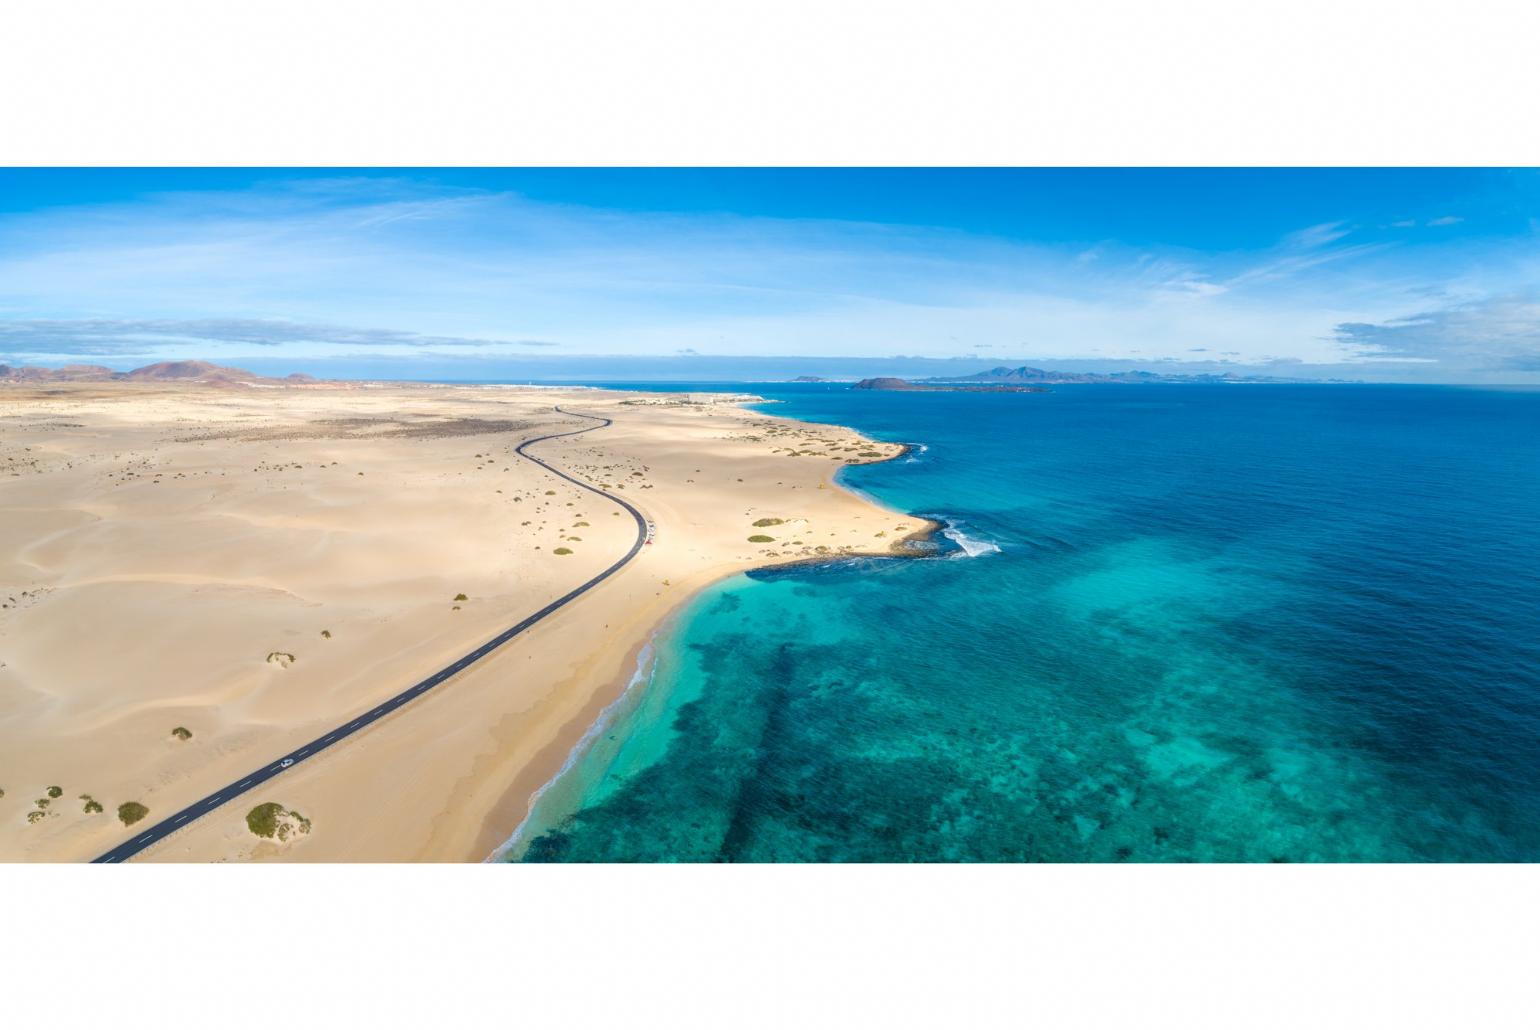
{"x":326,"y":634}
{"x":263,"y":820}
{"x":768,"y":522}
{"x":562,"y":550}
{"x":182,"y":733}
{"x":55,"y":792}
{"x":461,"y":597}
{"x":270,"y":820}
{"x":131,"y":812}
{"x":760,"y":538}
{"x":91,"y":806}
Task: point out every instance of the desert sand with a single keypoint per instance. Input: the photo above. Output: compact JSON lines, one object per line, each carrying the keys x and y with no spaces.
{"x":197,"y":579}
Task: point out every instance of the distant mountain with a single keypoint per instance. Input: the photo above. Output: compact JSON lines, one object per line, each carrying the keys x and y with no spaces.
{"x":53,"y":375}
{"x":193,"y":371}
{"x":161,"y":371}
{"x":810,"y":379}
{"x":889,"y":383}
{"x":1028,"y":374}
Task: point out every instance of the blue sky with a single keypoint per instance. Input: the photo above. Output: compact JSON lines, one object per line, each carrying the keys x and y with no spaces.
{"x":1429,"y":275}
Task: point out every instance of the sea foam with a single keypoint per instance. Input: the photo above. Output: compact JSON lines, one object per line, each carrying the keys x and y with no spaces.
{"x":645,"y":666}
{"x":968,"y":546}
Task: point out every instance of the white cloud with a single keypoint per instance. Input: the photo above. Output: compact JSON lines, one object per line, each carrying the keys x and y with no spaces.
{"x":144,"y":336}
{"x":1315,"y":236}
{"x":1494,"y":333}
{"x":296,"y":267}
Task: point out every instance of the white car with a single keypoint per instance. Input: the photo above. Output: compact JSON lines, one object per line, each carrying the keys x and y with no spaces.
{"x":285,"y":763}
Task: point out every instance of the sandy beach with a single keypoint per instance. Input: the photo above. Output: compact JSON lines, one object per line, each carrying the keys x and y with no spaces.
{"x":197,"y":579}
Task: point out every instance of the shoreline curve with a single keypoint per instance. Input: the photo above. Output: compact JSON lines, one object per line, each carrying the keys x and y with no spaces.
{"x":605,"y":701}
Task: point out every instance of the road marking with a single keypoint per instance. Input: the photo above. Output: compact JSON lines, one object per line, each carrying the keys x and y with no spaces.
{"x":122,"y":852}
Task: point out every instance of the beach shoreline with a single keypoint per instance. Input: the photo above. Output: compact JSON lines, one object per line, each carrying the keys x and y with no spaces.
{"x":521,"y":797}
{"x":459,"y":766}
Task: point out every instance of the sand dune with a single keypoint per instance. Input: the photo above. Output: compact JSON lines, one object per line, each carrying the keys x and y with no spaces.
{"x":158,"y":543}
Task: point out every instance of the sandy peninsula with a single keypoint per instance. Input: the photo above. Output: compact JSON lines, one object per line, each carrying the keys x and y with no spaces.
{"x":197,"y":578}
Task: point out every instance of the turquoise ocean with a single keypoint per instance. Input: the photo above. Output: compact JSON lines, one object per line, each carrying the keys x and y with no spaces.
{"x":1246,"y":623}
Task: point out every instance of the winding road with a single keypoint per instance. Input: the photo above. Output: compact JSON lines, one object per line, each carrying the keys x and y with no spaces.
{"x":166,"y":827}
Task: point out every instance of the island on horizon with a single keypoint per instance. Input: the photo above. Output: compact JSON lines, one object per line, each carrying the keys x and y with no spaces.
{"x":890,"y":383}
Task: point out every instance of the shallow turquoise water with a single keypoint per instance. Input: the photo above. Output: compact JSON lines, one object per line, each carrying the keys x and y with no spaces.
{"x":1222,"y":624}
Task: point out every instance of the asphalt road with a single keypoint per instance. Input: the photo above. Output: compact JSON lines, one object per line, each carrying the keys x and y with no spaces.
{"x":146,"y":837}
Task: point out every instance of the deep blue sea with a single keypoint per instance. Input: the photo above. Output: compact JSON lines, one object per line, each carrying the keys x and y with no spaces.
{"x":1185,"y":623}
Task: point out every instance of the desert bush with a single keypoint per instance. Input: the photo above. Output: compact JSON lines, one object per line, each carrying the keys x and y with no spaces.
{"x":263,"y":820}
{"x":270,"y":820}
{"x":131,"y":812}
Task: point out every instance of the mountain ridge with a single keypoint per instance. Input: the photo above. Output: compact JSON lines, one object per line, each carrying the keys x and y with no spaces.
{"x":1029,"y":374}
{"x":158,"y":372}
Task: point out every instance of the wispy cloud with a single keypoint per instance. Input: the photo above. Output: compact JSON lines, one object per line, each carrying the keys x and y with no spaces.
{"x":297,"y":267}
{"x":1490,"y":334}
{"x":104,"y":336}
{"x":1314,"y":236}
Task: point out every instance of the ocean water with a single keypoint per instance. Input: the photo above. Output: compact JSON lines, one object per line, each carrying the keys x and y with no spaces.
{"x":1175,"y":623}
